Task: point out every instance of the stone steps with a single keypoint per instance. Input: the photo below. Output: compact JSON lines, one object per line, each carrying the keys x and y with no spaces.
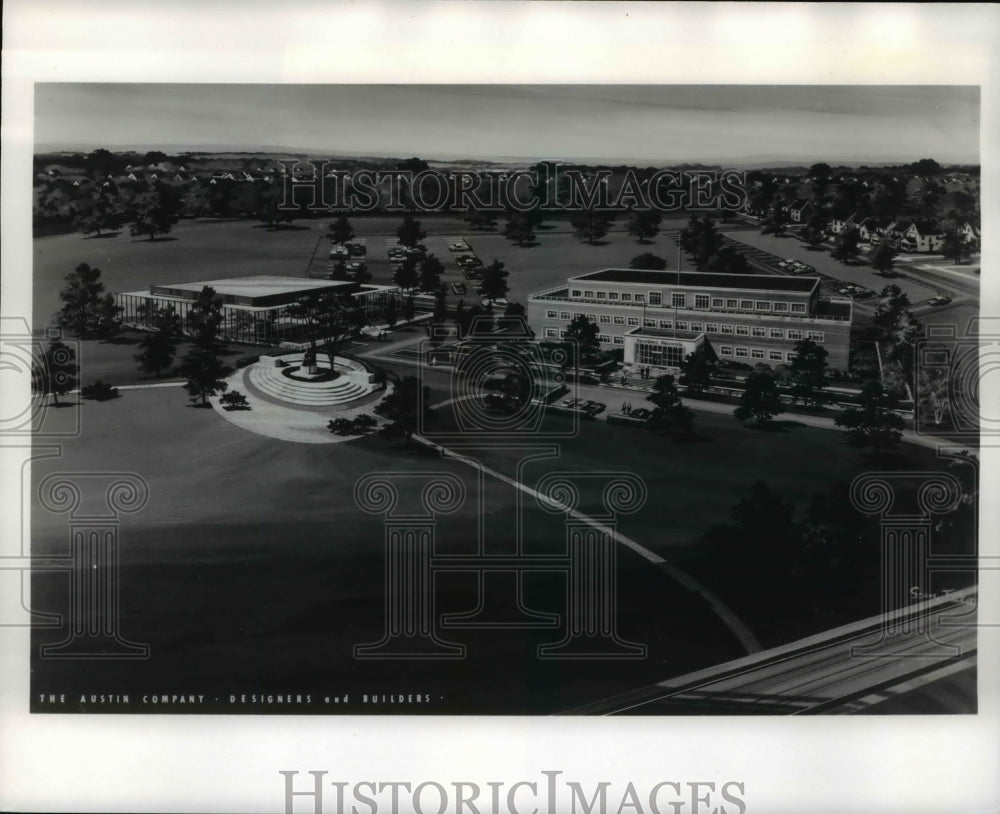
{"x":341,"y":390}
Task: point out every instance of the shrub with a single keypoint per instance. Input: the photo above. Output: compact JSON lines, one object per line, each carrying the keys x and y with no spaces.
{"x":99,"y":391}
{"x":364,"y":424}
{"x":234,"y":400}
{"x":245,"y":361}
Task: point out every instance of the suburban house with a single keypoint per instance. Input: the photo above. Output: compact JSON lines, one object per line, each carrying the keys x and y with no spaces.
{"x":871,"y":229}
{"x":971,"y":234}
{"x":921,"y":236}
{"x":838,"y":225}
{"x":799,"y":211}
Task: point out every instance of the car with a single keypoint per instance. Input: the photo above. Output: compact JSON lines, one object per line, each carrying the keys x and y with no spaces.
{"x":571,"y":403}
{"x":593,"y":407}
{"x":357,"y":265}
{"x":356,"y":249}
{"x":939,"y":301}
{"x":781,"y":264}
{"x":889,"y":273}
{"x":499,"y":302}
{"x":339,"y":250}
{"x":458,"y":247}
{"x":458,"y":288}
{"x":642,"y":414}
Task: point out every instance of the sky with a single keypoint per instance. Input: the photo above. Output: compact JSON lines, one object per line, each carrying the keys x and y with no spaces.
{"x":648,"y":123}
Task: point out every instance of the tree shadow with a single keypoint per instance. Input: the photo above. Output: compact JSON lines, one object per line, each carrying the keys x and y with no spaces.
{"x":153,"y":240}
{"x":280,"y":227}
{"x":598,"y":242}
{"x":528,"y":244}
{"x":103,"y":236}
{"x":121,"y":340}
{"x":200,"y":406}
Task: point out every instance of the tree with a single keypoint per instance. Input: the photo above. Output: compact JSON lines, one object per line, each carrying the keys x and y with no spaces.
{"x":904,"y":349}
{"x":846,"y":247}
{"x":698,"y":369}
{"x":87,"y":311}
{"x":431,"y":270}
{"x":776,"y":223}
{"x":814,"y":234}
{"x":202,"y":368}
{"x":874,"y":422}
{"x":409,"y":309}
{"x":440,"y":304}
{"x":701,"y":240}
{"x":669,"y":413}
{"x":726,"y":261}
{"x":361,"y":274}
{"x":391,"y":312}
{"x":152,"y":213}
{"x":234,"y":400}
{"x":329,"y":317}
{"x":159,"y":346}
{"x":808,"y":372}
{"x":648,"y":261}
{"x":892,"y":304}
{"x":515,"y":309}
{"x":591,"y":224}
{"x":339,"y":271}
{"x":409,"y":232}
{"x":270,"y":203}
{"x":955,"y":247}
{"x":101,"y":216}
{"x":644,"y":224}
{"x":519,"y":229}
{"x":403,"y":408}
{"x":341,"y":230}
{"x":584,"y":333}
{"x":934,"y":391}
{"x":760,"y":399}
{"x":56,"y":372}
{"x":883,"y":258}
{"x":493,"y":284}
{"x":407,"y":275}
{"x":99,"y":391}
{"x":481,"y":220}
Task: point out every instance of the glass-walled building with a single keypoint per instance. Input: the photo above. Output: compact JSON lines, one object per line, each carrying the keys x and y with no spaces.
{"x":254,"y":309}
{"x":658,"y":317}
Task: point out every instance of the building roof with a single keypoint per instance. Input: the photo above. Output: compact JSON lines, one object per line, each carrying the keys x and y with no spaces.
{"x":263,"y":285}
{"x":698,"y":279}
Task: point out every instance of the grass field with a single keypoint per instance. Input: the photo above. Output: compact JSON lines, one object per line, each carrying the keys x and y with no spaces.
{"x":205,"y":250}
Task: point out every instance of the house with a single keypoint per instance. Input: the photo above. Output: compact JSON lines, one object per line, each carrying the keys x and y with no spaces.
{"x":971,"y":234}
{"x":799,"y":211}
{"x":921,"y":236}
{"x":871,"y":229}
{"x":838,"y":225}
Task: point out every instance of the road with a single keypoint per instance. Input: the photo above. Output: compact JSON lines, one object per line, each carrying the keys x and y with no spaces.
{"x":849,"y":669}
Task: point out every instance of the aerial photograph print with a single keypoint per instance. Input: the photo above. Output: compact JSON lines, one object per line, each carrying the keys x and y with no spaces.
{"x":645,"y":400}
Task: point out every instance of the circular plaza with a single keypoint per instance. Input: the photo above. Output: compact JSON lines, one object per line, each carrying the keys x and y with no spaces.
{"x":294,"y":396}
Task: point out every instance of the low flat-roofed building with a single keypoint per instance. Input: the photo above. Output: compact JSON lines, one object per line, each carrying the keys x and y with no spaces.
{"x":658,"y":317}
{"x":254,"y":308}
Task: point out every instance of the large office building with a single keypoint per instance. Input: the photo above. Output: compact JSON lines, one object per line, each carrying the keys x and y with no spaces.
{"x":254,"y":309}
{"x":658,"y":317}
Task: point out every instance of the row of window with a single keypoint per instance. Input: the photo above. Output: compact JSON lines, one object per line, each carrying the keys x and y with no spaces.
{"x":701,"y":301}
{"x":793,"y":334}
{"x":756,"y":353}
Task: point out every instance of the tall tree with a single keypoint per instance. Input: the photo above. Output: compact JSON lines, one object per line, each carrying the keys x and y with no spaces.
{"x":955,"y":247}
{"x":846,"y":248}
{"x":87,"y":311}
{"x":391,"y":312}
{"x":341,"y":230}
{"x":160,"y":345}
{"x":204,"y":371}
{"x":409,"y":309}
{"x":760,"y":399}
{"x":698,"y":369}
{"x":481,"y":220}
{"x":669,"y":412}
{"x":644,"y":224}
{"x":56,"y":371}
{"x":591,"y":224}
{"x":884,"y":258}
{"x":647,"y":261}
{"x":409,"y":232}
{"x":518,"y":228}
{"x":440,"y":304}
{"x":431,"y":270}
{"x":493,"y":284}
{"x":101,"y":216}
{"x":893,"y":303}
{"x":152,"y":213}
{"x":404,"y":407}
{"x":808,"y":372}
{"x":874,"y":421}
{"x":407,"y":276}
{"x":584,"y":333}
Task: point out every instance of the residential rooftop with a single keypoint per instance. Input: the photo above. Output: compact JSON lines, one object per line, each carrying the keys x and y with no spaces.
{"x":698,"y":279}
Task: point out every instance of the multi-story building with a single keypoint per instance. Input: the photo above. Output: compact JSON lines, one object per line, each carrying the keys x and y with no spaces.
{"x":658,"y":317}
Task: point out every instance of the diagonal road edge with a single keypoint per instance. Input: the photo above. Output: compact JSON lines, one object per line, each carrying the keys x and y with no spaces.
{"x":728,"y":617}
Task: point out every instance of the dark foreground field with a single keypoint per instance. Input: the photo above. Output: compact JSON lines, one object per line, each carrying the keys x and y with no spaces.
{"x":252,"y":570}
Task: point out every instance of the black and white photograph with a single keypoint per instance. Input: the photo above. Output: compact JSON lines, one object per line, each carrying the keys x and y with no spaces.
{"x":351,"y":402}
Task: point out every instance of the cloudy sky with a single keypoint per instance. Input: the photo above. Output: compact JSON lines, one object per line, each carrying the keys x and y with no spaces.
{"x":669,"y":123}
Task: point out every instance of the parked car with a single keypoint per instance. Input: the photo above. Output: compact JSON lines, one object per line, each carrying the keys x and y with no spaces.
{"x":339,"y":250}
{"x":593,"y":407}
{"x":939,"y":301}
{"x":458,"y":247}
{"x":499,"y":302}
{"x":458,"y":288}
{"x":781,"y":264}
{"x":571,"y":403}
{"x":642,"y":414}
{"x":356,"y":249}
{"x":357,"y":265}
